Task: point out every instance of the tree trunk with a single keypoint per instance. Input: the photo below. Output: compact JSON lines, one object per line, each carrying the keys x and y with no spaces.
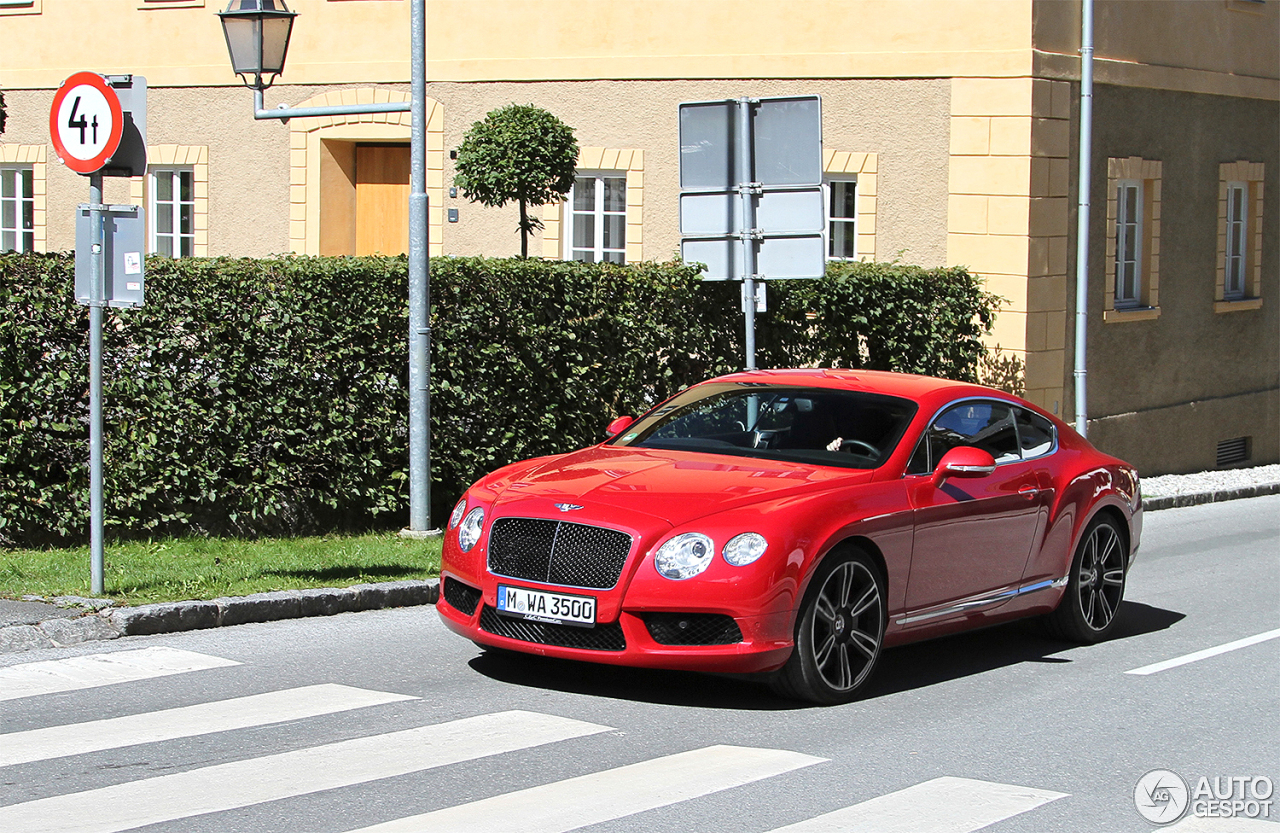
{"x":524,"y":231}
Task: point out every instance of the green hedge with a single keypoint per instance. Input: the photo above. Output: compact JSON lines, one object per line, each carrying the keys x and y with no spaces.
{"x":269,"y":396}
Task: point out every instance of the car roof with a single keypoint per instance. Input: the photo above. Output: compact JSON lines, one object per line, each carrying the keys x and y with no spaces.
{"x":906,"y":385}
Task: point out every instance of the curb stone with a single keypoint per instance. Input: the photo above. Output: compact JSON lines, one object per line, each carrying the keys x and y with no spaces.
{"x":173,"y":617}
{"x":1198,"y":498}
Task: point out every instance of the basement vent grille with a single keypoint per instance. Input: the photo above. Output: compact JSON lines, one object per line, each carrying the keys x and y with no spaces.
{"x":1232,"y":452}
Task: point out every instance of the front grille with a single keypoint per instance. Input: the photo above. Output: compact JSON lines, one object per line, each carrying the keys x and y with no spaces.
{"x":556,"y":552}
{"x":462,"y":597}
{"x":692,"y":628}
{"x":603,"y":637}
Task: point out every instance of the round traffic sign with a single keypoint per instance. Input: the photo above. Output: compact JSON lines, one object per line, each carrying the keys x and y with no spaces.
{"x":85,"y":122}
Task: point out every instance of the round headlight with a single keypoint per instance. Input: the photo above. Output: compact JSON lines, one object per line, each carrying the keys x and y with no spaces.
{"x":744,"y":549}
{"x":469,"y":532}
{"x":456,"y":517}
{"x":684,"y":556}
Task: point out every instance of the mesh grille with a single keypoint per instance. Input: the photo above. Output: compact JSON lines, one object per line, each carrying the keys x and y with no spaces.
{"x":692,"y":628}
{"x":603,"y":637}
{"x":462,"y":597}
{"x":556,"y":552}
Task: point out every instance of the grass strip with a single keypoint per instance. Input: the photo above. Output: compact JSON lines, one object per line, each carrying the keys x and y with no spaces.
{"x":139,"y":572}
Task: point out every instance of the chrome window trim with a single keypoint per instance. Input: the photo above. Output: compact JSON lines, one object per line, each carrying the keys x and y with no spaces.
{"x":1053,"y":446}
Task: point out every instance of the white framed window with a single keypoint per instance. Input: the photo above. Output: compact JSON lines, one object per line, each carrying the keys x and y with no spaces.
{"x":172,"y":206}
{"x":1237,"y":239}
{"x":17,"y":208}
{"x":1128,"y":262}
{"x":842,"y":218}
{"x":597,"y":218}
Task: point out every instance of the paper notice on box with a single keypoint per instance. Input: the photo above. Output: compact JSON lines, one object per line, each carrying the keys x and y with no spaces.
{"x":133,"y":263}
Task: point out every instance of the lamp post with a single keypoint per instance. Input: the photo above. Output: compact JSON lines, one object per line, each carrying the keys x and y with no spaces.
{"x":257,"y":33}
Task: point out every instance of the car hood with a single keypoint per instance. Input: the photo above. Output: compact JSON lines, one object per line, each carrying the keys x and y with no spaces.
{"x":674,"y":487}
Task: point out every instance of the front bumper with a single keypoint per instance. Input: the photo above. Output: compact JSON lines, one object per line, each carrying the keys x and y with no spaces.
{"x":629,"y":638}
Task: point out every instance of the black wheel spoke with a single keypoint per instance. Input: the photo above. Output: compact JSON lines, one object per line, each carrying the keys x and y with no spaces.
{"x":869,"y":598}
{"x":864,"y":642}
{"x":822,"y":654}
{"x":1106,"y":609}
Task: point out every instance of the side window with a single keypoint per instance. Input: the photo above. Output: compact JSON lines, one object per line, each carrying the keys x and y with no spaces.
{"x":919,"y":463}
{"x":985,"y":425}
{"x":1035,"y":433}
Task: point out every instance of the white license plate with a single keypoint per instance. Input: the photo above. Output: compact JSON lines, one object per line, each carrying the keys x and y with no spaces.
{"x":540,"y":606}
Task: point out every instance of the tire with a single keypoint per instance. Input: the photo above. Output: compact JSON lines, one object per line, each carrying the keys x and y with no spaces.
{"x":838,"y":632}
{"x":1095,"y":586}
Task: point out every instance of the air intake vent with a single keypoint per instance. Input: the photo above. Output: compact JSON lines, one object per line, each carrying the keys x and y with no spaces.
{"x":1233,"y":452}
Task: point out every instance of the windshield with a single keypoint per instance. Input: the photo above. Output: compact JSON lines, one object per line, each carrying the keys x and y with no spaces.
{"x":821,"y":426}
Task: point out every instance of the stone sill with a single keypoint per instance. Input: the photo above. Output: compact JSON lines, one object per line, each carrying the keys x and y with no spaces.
{"x":1119,"y":316}
{"x":1237,"y":306}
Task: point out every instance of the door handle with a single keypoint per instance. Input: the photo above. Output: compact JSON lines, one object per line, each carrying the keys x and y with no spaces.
{"x":1029,"y":492}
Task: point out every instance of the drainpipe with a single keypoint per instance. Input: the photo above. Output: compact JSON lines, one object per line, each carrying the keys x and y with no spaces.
{"x":1082,"y":214}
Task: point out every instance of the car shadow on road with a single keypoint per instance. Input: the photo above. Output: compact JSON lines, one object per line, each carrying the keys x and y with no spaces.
{"x":963,"y":655}
{"x":646,"y":685}
{"x":900,"y":669}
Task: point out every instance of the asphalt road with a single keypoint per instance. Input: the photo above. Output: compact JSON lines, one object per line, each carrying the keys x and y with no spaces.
{"x":363,"y":719}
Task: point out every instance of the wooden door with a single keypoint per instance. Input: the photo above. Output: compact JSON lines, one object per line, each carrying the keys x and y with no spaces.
{"x":382,"y":199}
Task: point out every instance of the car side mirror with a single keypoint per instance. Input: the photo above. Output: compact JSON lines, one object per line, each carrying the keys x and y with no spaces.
{"x":619,"y":425}
{"x":963,"y":461}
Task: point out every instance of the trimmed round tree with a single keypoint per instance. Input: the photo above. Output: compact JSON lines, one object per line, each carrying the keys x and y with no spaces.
{"x":521,"y":153}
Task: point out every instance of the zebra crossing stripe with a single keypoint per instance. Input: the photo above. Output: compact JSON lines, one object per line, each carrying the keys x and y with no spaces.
{"x":611,"y":794}
{"x":257,"y":780}
{"x":74,"y":673}
{"x":187,"y":721}
{"x":942,"y":805}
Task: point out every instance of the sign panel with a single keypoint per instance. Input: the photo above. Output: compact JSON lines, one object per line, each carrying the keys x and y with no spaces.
{"x":786,"y":143}
{"x":784,"y":214}
{"x":124,"y":236}
{"x":130,"y":159}
{"x":796,"y":211}
{"x":85,"y":122}
{"x":797,"y":256}
{"x":708,"y":144}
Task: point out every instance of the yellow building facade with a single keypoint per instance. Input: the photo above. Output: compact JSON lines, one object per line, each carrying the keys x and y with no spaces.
{"x":950,"y":133}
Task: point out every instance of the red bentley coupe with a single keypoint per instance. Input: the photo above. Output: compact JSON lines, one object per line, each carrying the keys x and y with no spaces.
{"x":794,"y":523}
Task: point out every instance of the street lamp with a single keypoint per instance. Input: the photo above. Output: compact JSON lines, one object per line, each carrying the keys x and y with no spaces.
{"x":257,"y":33}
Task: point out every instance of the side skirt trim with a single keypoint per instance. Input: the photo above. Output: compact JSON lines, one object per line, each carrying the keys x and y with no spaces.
{"x":983,"y":601}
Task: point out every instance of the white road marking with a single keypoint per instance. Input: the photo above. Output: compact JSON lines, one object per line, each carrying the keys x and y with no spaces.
{"x":1206,"y":653}
{"x":1194,"y":824}
{"x":256,"y":780}
{"x":604,"y":796}
{"x":942,"y":805}
{"x":187,"y":721}
{"x":73,"y":673}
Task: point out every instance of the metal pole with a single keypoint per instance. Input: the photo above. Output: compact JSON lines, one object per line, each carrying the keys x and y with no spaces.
{"x":96,"y":296}
{"x":747,"y":229}
{"x":419,"y":286}
{"x":284,"y":113}
{"x":1082,"y":213}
